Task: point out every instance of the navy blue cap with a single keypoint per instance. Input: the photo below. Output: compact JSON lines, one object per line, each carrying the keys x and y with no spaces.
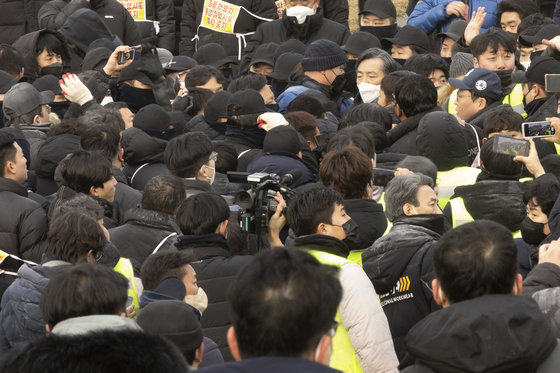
{"x":483,"y":81}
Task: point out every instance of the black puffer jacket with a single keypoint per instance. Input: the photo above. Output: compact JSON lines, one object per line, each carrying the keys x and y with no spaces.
{"x":541,"y":109}
{"x":215,"y":270}
{"x":491,"y":333}
{"x":142,"y":232}
{"x":24,"y":222}
{"x":335,"y":10}
{"x":53,"y":14}
{"x":159,"y":11}
{"x":17,"y":18}
{"x":143,"y":156}
{"x":402,"y":138}
{"x":400,"y":267}
{"x":370,"y":218}
{"x":126,"y":197}
{"x":214,"y":130}
{"x":246,"y":23}
{"x":497,"y":200}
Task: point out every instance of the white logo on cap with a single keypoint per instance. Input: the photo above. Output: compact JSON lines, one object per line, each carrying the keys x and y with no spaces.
{"x":480,"y":85}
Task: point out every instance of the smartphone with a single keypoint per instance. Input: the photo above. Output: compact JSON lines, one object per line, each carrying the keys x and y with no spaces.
{"x":128,"y":56}
{"x":552,"y":82}
{"x":537,"y":129}
{"x":382,"y":176}
{"x":511,"y":146}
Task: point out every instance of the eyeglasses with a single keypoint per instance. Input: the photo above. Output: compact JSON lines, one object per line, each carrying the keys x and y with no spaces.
{"x":213,"y":157}
{"x":48,"y":108}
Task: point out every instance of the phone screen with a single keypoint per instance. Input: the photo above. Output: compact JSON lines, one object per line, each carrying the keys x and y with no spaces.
{"x":511,"y":146}
{"x":537,"y":129}
{"x":381,"y":176}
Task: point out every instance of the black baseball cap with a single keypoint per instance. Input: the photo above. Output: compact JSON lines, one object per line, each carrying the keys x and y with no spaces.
{"x":483,"y":81}
{"x":410,"y":35}
{"x":455,"y":30}
{"x":540,"y":66}
{"x":360,"y":41}
{"x":546,"y":32}
{"x":381,"y":8}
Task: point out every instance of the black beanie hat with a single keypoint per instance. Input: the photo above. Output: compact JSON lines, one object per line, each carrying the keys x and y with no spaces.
{"x":216,"y":106}
{"x":152,"y":118}
{"x":174,"y":320}
{"x":323,"y":55}
{"x":282,"y":139}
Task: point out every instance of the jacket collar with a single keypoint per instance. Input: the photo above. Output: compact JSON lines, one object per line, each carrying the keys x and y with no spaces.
{"x":9,"y":185}
{"x":204,"y":246}
{"x":323,"y":243}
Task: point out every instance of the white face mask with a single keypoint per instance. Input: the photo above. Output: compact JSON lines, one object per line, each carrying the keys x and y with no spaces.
{"x":300,"y":12}
{"x":106,"y":100}
{"x":526,"y":64}
{"x":211,"y":181}
{"x":369,"y":92}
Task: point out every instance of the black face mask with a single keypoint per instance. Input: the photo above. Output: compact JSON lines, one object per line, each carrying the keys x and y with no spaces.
{"x":505,"y":77}
{"x":535,"y":54}
{"x":52,"y":69}
{"x":136,"y":98}
{"x":447,"y":61}
{"x":350,"y":65}
{"x":381,"y":31}
{"x":532,"y":233}
{"x":337,"y":85}
{"x":278,"y":87}
{"x":401,"y":61}
{"x":273,"y":107}
{"x":351,"y":230}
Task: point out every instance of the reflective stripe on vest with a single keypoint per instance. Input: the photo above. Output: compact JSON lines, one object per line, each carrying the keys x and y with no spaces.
{"x":389,"y":224}
{"x":451,"y":108}
{"x":355,"y":256}
{"x":124,"y":267}
{"x":343,"y":356}
{"x":459,"y":212}
{"x":448,"y":180}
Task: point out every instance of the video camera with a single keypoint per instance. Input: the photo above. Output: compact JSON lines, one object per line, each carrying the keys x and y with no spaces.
{"x":257,"y":204}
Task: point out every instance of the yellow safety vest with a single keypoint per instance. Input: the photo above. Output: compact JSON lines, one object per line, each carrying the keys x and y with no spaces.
{"x":124,"y":267}
{"x":514,"y":99}
{"x":448,"y":180}
{"x":461,"y":216}
{"x":343,"y":356}
{"x":355,"y":256}
{"x":389,"y":224}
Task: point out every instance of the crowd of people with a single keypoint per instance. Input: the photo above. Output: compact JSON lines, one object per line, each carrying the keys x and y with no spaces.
{"x":243,"y":185}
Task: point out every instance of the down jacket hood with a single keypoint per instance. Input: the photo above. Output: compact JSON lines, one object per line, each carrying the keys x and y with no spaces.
{"x":492,"y":333}
{"x":140,"y":148}
{"x":497,"y":200}
{"x":442,"y":139}
{"x":25,"y":44}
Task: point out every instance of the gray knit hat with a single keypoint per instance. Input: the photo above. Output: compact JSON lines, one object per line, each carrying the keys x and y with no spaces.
{"x":461,"y":63}
{"x":323,"y":55}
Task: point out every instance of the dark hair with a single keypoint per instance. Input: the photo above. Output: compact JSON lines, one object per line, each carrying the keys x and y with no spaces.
{"x":307,"y":210}
{"x":493,"y":38}
{"x":544,"y":190}
{"x":425,"y":64}
{"x":11,"y":60}
{"x":356,"y":136}
{"x":165,"y":264}
{"x":105,"y":138}
{"x":72,"y":235}
{"x":273,"y":314}
{"x":497,"y":165}
{"x":415,"y":94}
{"x":185,"y":154}
{"x":12,"y":118}
{"x":52,"y":42}
{"x":103,"y":115}
{"x":475,"y":259}
{"x":82,"y":290}
{"x":252,"y":81}
{"x":199,"y":97}
{"x":377,"y":131}
{"x":81,"y":203}
{"x":502,"y":119}
{"x":227,"y":157}
{"x":388,"y":63}
{"x":8,"y":153}
{"x":115,"y":106}
{"x":489,"y":100}
{"x":202,"y":213}
{"x":72,"y":126}
{"x":201,"y":74}
{"x":84,"y":169}
{"x":163,"y":193}
{"x":420,"y":164}
{"x":366,"y":112}
{"x":303,"y":122}
{"x":389,"y":81}
{"x":523,"y":8}
{"x":347,"y":171}
{"x":403,"y":189}
{"x":307,"y":103}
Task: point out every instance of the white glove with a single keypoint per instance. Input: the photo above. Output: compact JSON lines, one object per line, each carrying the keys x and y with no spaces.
{"x":268,"y":121}
{"x":74,"y":90}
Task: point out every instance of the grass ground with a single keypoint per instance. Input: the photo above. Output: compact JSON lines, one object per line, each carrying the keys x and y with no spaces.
{"x":353,"y":16}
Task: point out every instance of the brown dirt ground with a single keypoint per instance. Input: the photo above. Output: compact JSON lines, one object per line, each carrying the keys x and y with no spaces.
{"x":353,"y":10}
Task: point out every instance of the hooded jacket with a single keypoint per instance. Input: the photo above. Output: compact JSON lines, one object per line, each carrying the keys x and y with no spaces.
{"x":18,"y":18}
{"x":370,"y":218}
{"x":215,"y":270}
{"x":400,"y":268}
{"x":142,"y":232}
{"x":491,"y":333}
{"x":192,"y":15}
{"x":53,"y":16}
{"x":25,"y":45}
{"x":214,"y":130}
{"x":143,"y":156}
{"x":402,"y":138}
{"x":497,"y":200}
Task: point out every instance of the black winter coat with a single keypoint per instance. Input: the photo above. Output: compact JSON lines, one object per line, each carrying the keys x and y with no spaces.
{"x":402,"y":138}
{"x":370,"y":218}
{"x":246,"y":23}
{"x":491,"y":333}
{"x":142,"y":232}
{"x":53,"y":14}
{"x":199,"y":123}
{"x":126,"y":197}
{"x":24,"y":223}
{"x":159,"y":11}
{"x":400,"y":267}
{"x":270,"y":365}
{"x":215,"y":270}
{"x":542,"y":276}
{"x":17,"y":18}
